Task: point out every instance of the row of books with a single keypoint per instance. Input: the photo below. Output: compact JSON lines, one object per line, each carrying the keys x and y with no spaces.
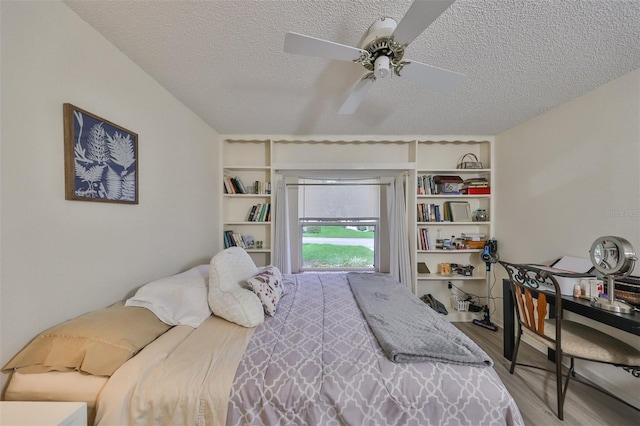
{"x":475,"y":186}
{"x":426,"y":185}
{"x":233,"y":239}
{"x":451,"y":185}
{"x":429,"y":212}
{"x":260,"y":213}
{"x":450,"y":211}
{"x":234,"y":185}
{"x":424,"y":239}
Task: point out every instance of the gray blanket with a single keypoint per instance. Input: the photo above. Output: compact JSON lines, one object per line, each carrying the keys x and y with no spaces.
{"x":407,"y":329}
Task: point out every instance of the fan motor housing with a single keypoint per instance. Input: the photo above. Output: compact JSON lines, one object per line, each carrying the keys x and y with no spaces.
{"x":378,"y":42}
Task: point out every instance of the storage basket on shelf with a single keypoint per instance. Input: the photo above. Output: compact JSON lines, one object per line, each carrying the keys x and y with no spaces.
{"x":459,"y":305}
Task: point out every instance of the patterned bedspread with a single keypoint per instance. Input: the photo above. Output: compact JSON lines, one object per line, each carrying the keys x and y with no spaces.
{"x":316,"y":362}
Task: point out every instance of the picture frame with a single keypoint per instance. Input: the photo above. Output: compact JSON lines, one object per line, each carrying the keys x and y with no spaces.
{"x":460,"y":211}
{"x":100,"y":157}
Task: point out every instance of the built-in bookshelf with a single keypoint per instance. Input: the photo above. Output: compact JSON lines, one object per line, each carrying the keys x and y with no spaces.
{"x":247,"y":200}
{"x":451,"y":223}
{"x":255,"y":163}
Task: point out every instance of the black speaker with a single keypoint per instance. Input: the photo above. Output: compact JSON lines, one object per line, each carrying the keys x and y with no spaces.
{"x":490,"y":253}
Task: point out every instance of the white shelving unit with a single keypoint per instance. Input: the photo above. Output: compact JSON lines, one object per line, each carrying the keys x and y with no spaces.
{"x":261,"y":158}
{"x":250,"y":161}
{"x":441,"y":158}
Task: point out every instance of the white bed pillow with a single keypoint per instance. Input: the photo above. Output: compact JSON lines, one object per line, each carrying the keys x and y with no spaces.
{"x":267,"y":285}
{"x":228,"y":297}
{"x":177,"y":300}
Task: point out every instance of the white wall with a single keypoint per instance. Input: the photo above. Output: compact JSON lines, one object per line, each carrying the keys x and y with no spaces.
{"x":62,"y":258}
{"x":569,"y":176}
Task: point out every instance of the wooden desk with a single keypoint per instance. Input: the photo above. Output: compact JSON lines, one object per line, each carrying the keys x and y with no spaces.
{"x":625,"y":322}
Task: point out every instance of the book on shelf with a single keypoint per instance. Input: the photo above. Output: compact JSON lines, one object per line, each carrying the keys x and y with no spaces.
{"x":234,"y":185}
{"x":228,"y":185}
{"x":262,"y":187}
{"x":239,"y":185}
{"x":260,"y":212}
{"x":475,"y":183}
{"x":424,"y":239}
{"x":426,"y":185}
{"x":234,"y":239}
{"x":477,"y":190}
{"x":429,"y":212}
{"x":252,"y":213}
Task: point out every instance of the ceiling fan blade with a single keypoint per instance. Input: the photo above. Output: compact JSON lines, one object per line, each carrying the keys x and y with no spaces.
{"x":435,"y":78}
{"x":300,"y":44}
{"x":419,"y":16}
{"x":357,"y":95}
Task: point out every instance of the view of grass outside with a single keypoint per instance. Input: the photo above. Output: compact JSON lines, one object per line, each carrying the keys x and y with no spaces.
{"x":337,"y":247}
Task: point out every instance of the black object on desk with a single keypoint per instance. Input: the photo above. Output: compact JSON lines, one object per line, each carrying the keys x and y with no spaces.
{"x":625,"y":322}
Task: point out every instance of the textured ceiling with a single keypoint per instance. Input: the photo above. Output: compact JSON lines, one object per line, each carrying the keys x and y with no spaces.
{"x":224,"y":60}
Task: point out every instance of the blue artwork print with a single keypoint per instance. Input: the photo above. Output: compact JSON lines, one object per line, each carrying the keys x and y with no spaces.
{"x":104,"y":160}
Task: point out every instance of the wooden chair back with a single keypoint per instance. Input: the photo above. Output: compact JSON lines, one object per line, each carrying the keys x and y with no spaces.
{"x":530,"y":288}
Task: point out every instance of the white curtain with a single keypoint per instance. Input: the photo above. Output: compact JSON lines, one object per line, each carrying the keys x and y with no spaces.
{"x":400,"y":263}
{"x":282,"y":245}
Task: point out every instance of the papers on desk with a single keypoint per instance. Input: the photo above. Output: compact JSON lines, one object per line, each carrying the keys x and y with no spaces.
{"x":573,"y":264}
{"x":568,"y":271}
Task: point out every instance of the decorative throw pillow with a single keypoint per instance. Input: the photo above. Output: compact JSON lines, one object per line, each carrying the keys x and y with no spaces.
{"x":267,"y":285}
{"x":228,"y":298}
{"x":177,"y":300}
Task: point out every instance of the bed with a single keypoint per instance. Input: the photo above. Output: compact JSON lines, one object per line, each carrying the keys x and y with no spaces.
{"x":316,"y":360}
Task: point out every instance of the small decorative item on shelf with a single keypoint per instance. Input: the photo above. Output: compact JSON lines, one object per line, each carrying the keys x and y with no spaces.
{"x":447,"y":184}
{"x":480,"y":215}
{"x":445,"y":269}
{"x":469,"y":161}
{"x":423,"y":268}
{"x":465,"y":270}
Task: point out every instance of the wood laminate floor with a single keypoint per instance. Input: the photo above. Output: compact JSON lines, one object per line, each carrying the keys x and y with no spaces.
{"x":535,"y":390}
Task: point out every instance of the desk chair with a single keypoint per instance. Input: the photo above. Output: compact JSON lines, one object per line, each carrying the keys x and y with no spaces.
{"x":530,"y":287}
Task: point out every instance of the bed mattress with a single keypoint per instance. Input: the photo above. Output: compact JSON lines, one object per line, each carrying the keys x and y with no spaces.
{"x":315,"y":362}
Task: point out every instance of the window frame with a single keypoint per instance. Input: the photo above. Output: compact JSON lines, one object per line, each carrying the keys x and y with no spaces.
{"x":359,"y":221}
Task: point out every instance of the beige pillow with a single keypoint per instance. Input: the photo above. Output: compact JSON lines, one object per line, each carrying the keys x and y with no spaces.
{"x":228,"y":296}
{"x":95,"y":343}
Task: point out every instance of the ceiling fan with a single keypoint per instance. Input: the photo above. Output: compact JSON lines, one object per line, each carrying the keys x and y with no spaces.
{"x":382,"y":52}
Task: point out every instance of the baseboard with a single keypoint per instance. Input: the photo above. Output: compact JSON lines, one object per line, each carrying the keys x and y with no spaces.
{"x":456,"y":316}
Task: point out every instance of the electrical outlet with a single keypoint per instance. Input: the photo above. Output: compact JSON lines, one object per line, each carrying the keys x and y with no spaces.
{"x":449,"y":285}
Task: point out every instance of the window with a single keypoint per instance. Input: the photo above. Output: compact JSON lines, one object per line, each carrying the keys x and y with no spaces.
{"x":339,"y":224}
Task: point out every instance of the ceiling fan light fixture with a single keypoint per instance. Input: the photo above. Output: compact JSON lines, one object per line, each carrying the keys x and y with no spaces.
{"x":381,"y":67}
{"x":382,"y":51}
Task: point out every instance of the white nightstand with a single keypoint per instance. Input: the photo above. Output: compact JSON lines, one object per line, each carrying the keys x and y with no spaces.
{"x":20,"y":413}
